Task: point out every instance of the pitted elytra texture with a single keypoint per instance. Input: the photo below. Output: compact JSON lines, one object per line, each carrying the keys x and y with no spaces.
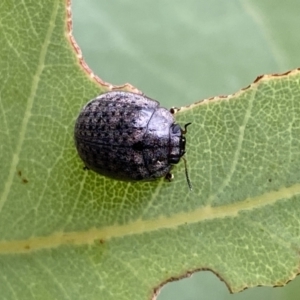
{"x":128,"y":136}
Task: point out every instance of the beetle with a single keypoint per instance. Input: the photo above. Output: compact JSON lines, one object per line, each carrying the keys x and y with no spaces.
{"x":127,"y":136}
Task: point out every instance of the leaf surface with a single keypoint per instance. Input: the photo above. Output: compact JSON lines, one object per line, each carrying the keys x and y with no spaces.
{"x":65,"y":232}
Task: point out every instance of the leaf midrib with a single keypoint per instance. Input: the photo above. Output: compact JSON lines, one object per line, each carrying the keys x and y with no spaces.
{"x":141,"y":226}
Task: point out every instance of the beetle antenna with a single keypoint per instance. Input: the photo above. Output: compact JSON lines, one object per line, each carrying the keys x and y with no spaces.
{"x":185,"y":126}
{"x":187,"y":175}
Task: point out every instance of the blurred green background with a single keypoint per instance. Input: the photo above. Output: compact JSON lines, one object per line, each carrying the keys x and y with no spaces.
{"x":179,"y":52}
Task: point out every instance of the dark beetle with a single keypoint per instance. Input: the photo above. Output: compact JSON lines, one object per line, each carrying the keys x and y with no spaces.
{"x":127,"y":136}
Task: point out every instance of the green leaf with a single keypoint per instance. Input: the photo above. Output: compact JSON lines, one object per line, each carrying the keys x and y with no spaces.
{"x":70,"y":234}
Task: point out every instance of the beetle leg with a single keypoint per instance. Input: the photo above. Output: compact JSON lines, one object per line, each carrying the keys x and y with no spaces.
{"x":174,"y":110}
{"x":169,"y":177}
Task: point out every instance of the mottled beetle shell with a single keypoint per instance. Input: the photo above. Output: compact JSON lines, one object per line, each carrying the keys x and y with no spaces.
{"x":128,"y":136}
